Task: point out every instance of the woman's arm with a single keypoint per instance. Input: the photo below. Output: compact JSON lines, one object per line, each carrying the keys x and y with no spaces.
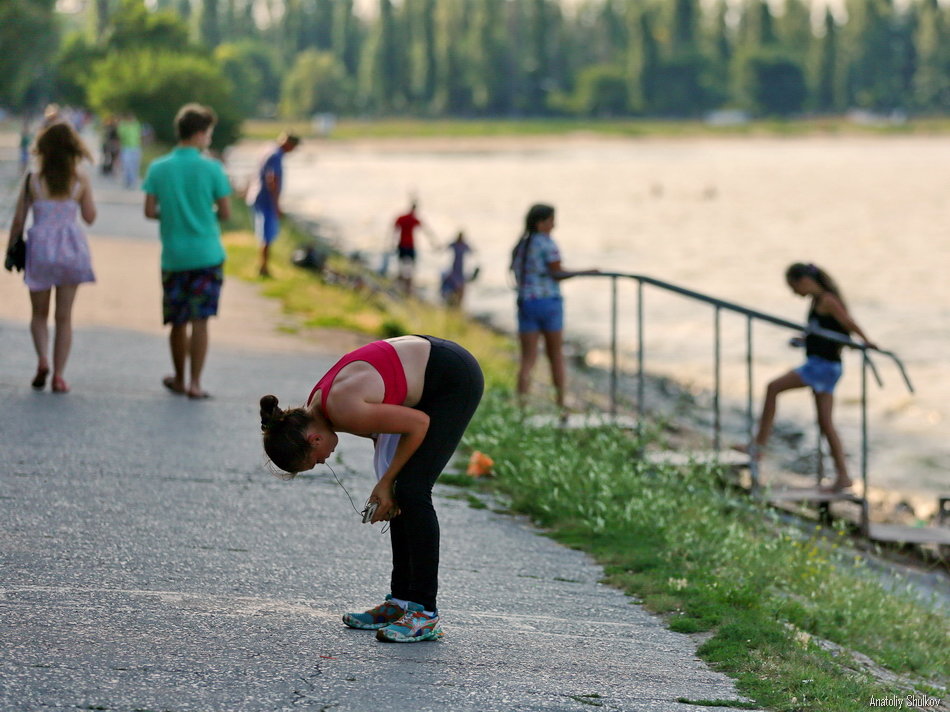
{"x":19,"y":215}
{"x":362,"y":418}
{"x":87,"y":204}
{"x":830,"y":304}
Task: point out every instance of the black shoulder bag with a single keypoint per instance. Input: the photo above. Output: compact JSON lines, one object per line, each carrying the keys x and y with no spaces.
{"x":16,"y":250}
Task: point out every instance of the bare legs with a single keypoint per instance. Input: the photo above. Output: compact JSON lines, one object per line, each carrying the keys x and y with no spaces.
{"x":789,"y":381}
{"x":63,"y":339}
{"x":553,"y":346}
{"x":189,"y":352}
{"x":823,"y":404}
{"x":265,"y":260}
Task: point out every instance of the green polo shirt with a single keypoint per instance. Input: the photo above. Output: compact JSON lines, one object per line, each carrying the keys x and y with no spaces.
{"x":186,"y":185}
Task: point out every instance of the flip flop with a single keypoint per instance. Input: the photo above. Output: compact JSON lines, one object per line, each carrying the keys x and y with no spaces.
{"x":202,"y":395}
{"x":60,"y":386}
{"x":169,"y":383}
{"x":39,"y":380}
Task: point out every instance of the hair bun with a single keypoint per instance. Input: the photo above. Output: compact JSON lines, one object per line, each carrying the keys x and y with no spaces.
{"x":270,"y":413}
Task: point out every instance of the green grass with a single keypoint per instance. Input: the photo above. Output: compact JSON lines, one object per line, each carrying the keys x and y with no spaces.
{"x":314,"y":303}
{"x":711,"y":560}
{"x":349,"y":129}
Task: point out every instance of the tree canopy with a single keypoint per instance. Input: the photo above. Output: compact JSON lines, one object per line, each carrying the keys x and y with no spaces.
{"x":675,"y":58}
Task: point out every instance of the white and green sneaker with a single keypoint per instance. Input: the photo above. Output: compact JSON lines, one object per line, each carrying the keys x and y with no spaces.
{"x":375,"y":618}
{"x":413,"y":627}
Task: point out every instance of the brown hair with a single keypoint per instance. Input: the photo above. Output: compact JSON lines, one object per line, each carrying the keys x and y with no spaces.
{"x":285,"y":434}
{"x":798,"y":270}
{"x":192,"y":119}
{"x":537,"y":213}
{"x":60,"y":150}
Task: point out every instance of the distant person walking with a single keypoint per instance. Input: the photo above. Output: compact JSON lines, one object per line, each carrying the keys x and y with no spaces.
{"x":187,"y":192}
{"x":52,"y":114}
{"x":453,"y":280}
{"x":26,"y":137}
{"x":111,"y":146}
{"x":404,"y":230}
{"x":265,"y":194}
{"x":424,"y":391}
{"x":536,"y":264}
{"x":57,"y":252}
{"x":822,"y":367}
{"x":130,"y":153}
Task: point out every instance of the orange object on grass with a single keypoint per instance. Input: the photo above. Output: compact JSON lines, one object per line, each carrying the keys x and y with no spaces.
{"x":479,"y":464}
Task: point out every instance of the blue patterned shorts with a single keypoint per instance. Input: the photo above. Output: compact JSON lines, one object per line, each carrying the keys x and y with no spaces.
{"x":191,"y":294}
{"x":820,"y":374}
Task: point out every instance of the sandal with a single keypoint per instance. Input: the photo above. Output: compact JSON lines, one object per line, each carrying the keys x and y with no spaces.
{"x":169,"y":383}
{"x":39,"y":380}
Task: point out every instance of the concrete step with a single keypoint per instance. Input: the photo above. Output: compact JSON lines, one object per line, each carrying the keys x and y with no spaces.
{"x":582,"y":421}
{"x":810,"y":495}
{"x":900,"y":534}
{"x":683,"y":458}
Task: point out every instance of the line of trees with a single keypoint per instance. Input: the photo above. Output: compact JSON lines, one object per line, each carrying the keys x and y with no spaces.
{"x":675,"y":58}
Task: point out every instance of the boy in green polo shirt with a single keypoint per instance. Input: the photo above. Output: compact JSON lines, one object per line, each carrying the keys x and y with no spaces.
{"x":187,"y":192}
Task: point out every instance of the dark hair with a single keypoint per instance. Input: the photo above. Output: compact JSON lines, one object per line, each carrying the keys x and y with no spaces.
{"x":285,"y":434}
{"x":192,"y":119}
{"x":799,"y":270}
{"x":537,"y":213}
{"x":60,"y":149}
{"x":291,"y":138}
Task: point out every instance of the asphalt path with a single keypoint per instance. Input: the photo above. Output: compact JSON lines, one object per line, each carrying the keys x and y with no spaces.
{"x":149,"y":562}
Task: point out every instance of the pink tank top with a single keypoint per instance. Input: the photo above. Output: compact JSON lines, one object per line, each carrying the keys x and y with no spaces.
{"x":382,"y":356}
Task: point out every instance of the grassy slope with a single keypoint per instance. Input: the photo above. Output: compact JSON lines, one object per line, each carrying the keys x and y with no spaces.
{"x":357,"y":304}
{"x":680,"y":541}
{"x":711,"y":560}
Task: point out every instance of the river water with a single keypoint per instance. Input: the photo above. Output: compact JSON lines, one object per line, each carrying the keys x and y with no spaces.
{"x":720,"y":216}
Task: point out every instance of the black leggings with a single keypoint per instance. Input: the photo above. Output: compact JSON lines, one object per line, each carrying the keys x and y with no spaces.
{"x":451,"y":392}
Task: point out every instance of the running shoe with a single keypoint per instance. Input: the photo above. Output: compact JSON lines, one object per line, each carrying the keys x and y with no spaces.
{"x":382,"y":615}
{"x":413,"y":627}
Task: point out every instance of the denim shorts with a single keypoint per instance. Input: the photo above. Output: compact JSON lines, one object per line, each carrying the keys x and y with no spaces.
{"x":545,"y":314}
{"x":820,"y":374}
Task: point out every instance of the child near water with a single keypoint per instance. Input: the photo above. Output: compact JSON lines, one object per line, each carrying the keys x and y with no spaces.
{"x":822,"y":368}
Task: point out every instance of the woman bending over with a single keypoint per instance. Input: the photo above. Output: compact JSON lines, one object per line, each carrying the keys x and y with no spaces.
{"x":423,"y":389}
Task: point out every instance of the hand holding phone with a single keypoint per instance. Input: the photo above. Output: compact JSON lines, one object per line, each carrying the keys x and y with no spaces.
{"x":368,"y":511}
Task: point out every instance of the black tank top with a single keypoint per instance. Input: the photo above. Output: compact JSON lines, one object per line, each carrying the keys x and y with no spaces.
{"x":819,"y":346}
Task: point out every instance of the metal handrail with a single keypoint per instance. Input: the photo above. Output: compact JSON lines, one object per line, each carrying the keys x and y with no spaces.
{"x":751,"y":315}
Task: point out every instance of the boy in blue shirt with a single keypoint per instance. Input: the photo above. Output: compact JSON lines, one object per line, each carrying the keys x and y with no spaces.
{"x":187,"y":192}
{"x":265,"y":196}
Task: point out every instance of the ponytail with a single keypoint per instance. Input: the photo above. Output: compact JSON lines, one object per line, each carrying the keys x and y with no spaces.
{"x":537,"y":213}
